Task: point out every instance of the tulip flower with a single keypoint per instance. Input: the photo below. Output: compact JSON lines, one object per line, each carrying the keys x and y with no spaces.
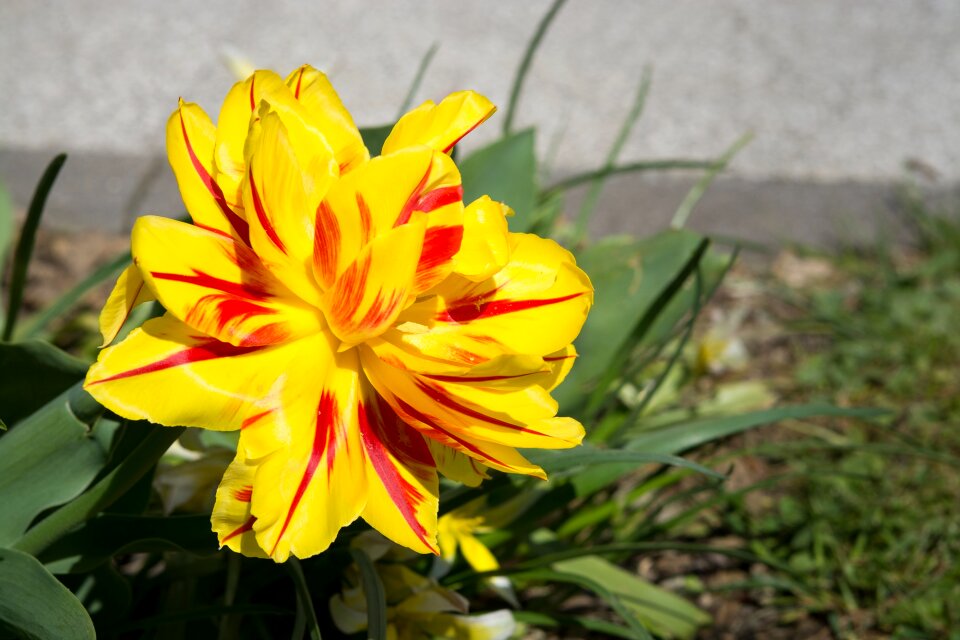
{"x":360,"y":325}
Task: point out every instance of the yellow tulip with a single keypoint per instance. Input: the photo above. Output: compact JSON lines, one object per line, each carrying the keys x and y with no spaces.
{"x":360,"y":325}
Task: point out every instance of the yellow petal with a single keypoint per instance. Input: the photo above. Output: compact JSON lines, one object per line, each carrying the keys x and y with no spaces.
{"x":281,"y":198}
{"x":457,"y":466}
{"x":217,"y":285}
{"x":386,"y":193}
{"x":314,"y":482}
{"x":368,"y":296}
{"x":485,"y":248}
{"x":403,"y":486}
{"x":190,"y":150}
{"x":509,"y":411}
{"x":477,"y":555}
{"x":233,"y":124}
{"x":440,"y":126}
{"x":167,"y":373}
{"x":541,"y":281}
{"x":231,"y":519}
{"x":327,"y":113}
{"x":438,"y":422}
{"x":129,"y":292}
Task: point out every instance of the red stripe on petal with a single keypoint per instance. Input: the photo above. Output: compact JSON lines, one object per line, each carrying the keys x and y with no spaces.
{"x":253,"y":104}
{"x":326,"y":243}
{"x":405,"y":496}
{"x":239,"y":224}
{"x":205,"y":351}
{"x":419,"y":416}
{"x":324,"y":434}
{"x":252,"y":420}
{"x":439,"y":396}
{"x":440,"y":244}
{"x":262,"y":215}
{"x":442,"y":378}
{"x":366,"y":220}
{"x":244,"y":494}
{"x":556,"y":358}
{"x":246,"y":526}
{"x":469,"y":312}
{"x":411,"y":204}
{"x":296,"y":92}
{"x":439,"y":198}
{"x":205,"y":280}
{"x":475,"y":125}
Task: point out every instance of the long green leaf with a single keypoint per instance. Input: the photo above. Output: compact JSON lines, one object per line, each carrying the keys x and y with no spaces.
{"x":588,"y":583}
{"x":107,"y":535}
{"x":305,"y":611}
{"x":629,"y":279}
{"x":67,"y":300}
{"x":507,"y":172}
{"x":524,"y":67}
{"x":34,"y":605}
{"x":669,"y":164}
{"x":596,"y":188}
{"x":102,"y":494}
{"x":47,"y":459}
{"x":664,"y":613}
{"x":33,"y":373}
{"x":6,"y":225}
{"x":559,"y":461}
{"x":375,"y":594}
{"x":689,"y":435}
{"x":28,"y":237}
{"x":700,"y":188}
{"x":568,"y":623}
{"x":418,"y":79}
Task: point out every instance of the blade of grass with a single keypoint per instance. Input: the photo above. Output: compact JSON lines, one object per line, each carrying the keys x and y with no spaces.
{"x":643,"y":165}
{"x":418,"y":79}
{"x":524,"y":67}
{"x":28,"y":236}
{"x":697,"y":191}
{"x":306,"y":616}
{"x":375,"y":594}
{"x":62,"y":304}
{"x":590,"y":200}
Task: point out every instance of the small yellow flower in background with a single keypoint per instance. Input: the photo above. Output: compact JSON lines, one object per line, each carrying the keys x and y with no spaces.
{"x":417,"y":607}
{"x":359,"y":325}
{"x":458,"y":531}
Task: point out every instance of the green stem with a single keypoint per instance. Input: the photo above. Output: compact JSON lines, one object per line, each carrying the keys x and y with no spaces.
{"x":101,"y":495}
{"x":306,"y":616}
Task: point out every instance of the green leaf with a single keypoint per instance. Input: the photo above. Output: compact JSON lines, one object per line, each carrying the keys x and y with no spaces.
{"x":28,"y":236}
{"x":107,"y":535}
{"x":374,"y":137}
{"x":507,"y":172}
{"x":32,"y":373}
{"x":375,"y":594}
{"x":6,"y":225}
{"x":102,"y":494}
{"x":628,"y":277}
{"x":47,"y":459}
{"x":417,"y":79}
{"x":525,"y":62}
{"x":585,"y":455}
{"x":306,"y":616}
{"x":664,"y":613}
{"x":66,"y":301}
{"x":590,"y":584}
{"x":34,"y":605}
{"x":567,"y":623}
{"x":689,"y":435}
